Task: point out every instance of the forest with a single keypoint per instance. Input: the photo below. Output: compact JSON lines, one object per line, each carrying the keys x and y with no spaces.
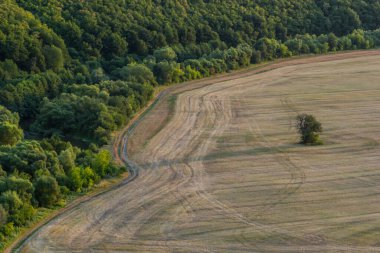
{"x":73,"y":72}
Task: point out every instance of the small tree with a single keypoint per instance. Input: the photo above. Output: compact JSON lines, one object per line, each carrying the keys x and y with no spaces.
{"x":309,"y":129}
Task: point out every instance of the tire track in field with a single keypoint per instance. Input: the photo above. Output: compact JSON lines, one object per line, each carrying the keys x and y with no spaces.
{"x":219,"y":206}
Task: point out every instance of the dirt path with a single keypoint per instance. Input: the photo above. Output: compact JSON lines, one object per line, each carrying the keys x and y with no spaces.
{"x":223,"y":173}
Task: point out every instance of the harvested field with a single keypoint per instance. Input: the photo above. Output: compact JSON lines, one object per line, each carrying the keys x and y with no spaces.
{"x":219,"y":169}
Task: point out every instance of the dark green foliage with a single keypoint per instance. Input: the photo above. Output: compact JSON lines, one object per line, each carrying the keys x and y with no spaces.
{"x":53,"y":57}
{"x":177,"y":41}
{"x":309,"y":129}
{"x":114,"y":45}
{"x":19,"y":212}
{"x":332,"y":41}
{"x":72,"y":115}
{"x":165,"y":54}
{"x":168,"y":72}
{"x":23,"y":39}
{"x":91,"y":112}
{"x":111,"y":28}
{"x":26,"y":95}
{"x":3,"y":216}
{"x":135,"y":73}
{"x":10,"y":132}
{"x":10,"y":201}
{"x":8,"y":70}
{"x":27,"y":156}
{"x":46,"y":191}
{"x":23,"y":187}
{"x":39,"y":174}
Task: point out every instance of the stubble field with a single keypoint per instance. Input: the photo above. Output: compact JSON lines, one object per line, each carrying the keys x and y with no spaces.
{"x":220,"y":169}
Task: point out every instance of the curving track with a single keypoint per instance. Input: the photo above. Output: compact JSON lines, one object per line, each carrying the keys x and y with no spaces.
{"x":224,"y":175}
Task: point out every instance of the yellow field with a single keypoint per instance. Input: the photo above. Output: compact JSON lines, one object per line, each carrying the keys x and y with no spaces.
{"x":225,"y":172}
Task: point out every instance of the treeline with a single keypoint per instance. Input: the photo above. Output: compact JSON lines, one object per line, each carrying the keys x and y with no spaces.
{"x":88,"y":103}
{"x":41,"y":173}
{"x":72,"y":72}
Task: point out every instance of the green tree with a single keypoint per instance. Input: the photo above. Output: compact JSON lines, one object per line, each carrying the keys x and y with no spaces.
{"x":3,"y":215}
{"x":11,"y":201}
{"x":135,"y":73}
{"x":309,"y":129}
{"x":23,"y":215}
{"x":8,"y":70}
{"x":101,"y":162}
{"x":46,"y":191}
{"x":23,"y":187}
{"x":67,"y":159}
{"x":333,"y":41}
{"x":10,"y":133}
{"x":25,"y":156}
{"x":89,"y":177}
{"x":53,"y":57}
{"x":165,"y":54}
{"x":8,"y":229}
{"x":114,"y":45}
{"x":76,"y":180}
{"x":344,"y":20}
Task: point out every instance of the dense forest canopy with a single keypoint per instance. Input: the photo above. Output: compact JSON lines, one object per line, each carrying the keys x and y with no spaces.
{"x":115,"y":28}
{"x":72,"y":72}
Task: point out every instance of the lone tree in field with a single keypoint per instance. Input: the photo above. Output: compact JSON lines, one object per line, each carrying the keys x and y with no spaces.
{"x":309,"y":129}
